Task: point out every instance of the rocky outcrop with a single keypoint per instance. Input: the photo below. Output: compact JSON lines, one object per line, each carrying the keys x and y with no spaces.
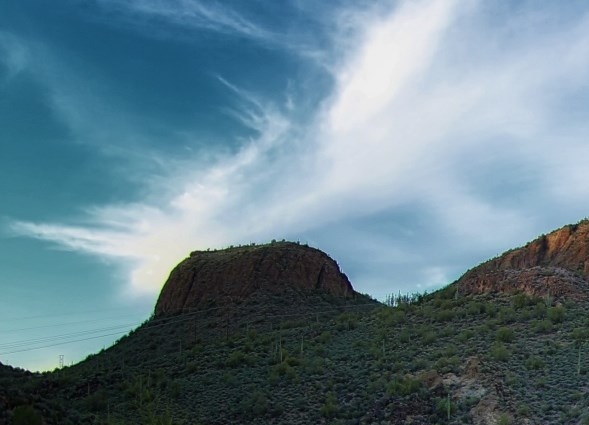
{"x":229,"y":277}
{"x":555,"y":264}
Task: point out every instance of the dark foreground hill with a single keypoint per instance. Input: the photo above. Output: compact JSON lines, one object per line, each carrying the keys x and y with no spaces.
{"x":494,"y":355}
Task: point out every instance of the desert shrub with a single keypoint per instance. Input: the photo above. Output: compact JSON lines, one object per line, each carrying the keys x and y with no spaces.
{"x":404,"y":385}
{"x":519,"y":301}
{"x":504,"y":419}
{"x":450,"y":350}
{"x":236,"y":358}
{"x":580,"y":335}
{"x":474,"y":307}
{"x":445,"y":315}
{"x":292,"y":361}
{"x":534,"y":363}
{"x":329,"y":408}
{"x":404,"y":336}
{"x":512,"y":380}
{"x":465,"y":335}
{"x":447,"y":364}
{"x":543,"y":326}
{"x":254,"y":405}
{"x":97,"y":401}
{"x":282,"y":369}
{"x":448,"y":331}
{"x":229,"y":378}
{"x":346,"y":321}
{"x":175,"y":389}
{"x":440,"y":295}
{"x":26,"y":415}
{"x":428,"y":337}
{"x":443,"y":405}
{"x":324,"y":337}
{"x":428,"y":311}
{"x":507,"y":315}
{"x":252,"y":334}
{"x":523,"y":410}
{"x":540,"y":310}
{"x":491,"y":310}
{"x":499,"y":352}
{"x":556,"y":314}
{"x":504,"y":334}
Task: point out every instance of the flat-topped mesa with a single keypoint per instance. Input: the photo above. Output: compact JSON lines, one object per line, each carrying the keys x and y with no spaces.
{"x":556,"y":264}
{"x":233,"y":275}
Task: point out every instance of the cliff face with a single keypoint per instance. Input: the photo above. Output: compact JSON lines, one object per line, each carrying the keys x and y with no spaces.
{"x":555,"y":264}
{"x":228,"y":277}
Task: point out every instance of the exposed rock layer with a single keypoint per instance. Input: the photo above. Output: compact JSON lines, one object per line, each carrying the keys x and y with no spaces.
{"x":230,"y":276}
{"x":555,"y":264}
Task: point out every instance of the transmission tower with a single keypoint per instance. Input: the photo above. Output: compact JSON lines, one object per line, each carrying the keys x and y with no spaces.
{"x":61,"y":361}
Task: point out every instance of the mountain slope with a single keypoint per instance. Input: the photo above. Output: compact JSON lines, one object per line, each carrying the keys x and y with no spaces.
{"x":556,"y":264}
{"x":465,"y":354}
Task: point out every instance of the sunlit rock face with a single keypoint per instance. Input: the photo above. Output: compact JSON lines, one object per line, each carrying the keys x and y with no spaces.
{"x":556,"y":264}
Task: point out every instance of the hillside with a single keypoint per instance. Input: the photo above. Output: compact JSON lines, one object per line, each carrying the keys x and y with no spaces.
{"x":497,"y":352}
{"x":556,"y":264}
{"x":253,"y":281}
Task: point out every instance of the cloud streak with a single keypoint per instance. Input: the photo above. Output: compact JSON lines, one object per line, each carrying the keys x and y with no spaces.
{"x":436,"y":112}
{"x":15,"y":55}
{"x":194,"y":14}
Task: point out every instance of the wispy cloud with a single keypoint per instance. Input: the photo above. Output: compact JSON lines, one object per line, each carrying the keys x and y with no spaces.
{"x":210,"y":15}
{"x":186,"y":19}
{"x":15,"y":56}
{"x":435,"y":113}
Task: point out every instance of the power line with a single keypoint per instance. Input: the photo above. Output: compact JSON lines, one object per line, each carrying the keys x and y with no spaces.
{"x":16,"y":347}
{"x":62,"y":343}
{"x":3,"y":331}
{"x":70,"y":313}
{"x":62,"y":336}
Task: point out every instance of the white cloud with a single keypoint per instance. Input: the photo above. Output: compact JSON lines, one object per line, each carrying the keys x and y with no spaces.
{"x":192,"y":14}
{"x":432,"y":96}
{"x":15,"y":55}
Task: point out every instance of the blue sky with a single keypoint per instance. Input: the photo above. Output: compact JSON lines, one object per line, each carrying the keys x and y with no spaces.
{"x":410,"y":140}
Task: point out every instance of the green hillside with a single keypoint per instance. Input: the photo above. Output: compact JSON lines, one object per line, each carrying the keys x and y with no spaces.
{"x":443,"y":358}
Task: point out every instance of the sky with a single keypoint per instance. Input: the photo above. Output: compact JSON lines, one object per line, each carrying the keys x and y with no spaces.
{"x":410,"y":140}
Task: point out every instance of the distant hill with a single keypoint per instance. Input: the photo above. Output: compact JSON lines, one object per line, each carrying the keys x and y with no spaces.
{"x":556,"y":264}
{"x":275,"y":334}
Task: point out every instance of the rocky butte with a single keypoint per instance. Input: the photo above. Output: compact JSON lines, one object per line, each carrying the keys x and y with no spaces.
{"x":280,"y":273}
{"x":556,"y":264}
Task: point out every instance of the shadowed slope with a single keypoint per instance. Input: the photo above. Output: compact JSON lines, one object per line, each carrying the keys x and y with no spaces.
{"x":230,"y":277}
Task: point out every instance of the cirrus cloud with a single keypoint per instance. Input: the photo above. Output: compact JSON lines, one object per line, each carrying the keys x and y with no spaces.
{"x":438,"y":113}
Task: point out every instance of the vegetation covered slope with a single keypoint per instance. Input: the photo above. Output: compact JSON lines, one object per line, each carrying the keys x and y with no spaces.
{"x":445,"y":359}
{"x":462,"y":355}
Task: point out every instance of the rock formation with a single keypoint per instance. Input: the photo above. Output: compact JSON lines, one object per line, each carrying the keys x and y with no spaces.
{"x":556,"y":264}
{"x":209,"y":279}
